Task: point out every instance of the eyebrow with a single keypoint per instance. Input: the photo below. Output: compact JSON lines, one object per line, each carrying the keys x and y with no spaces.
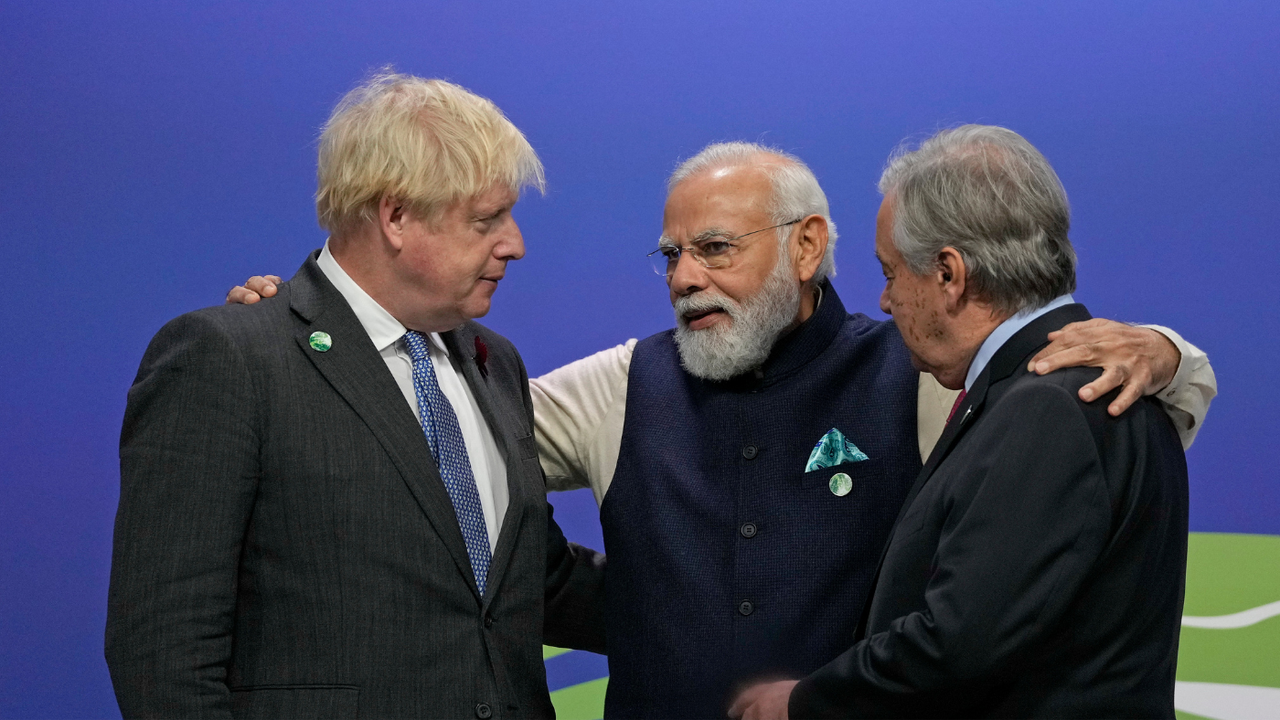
{"x":489,"y":213}
{"x":712,"y":232}
{"x":705,"y":235}
{"x":489,"y":210}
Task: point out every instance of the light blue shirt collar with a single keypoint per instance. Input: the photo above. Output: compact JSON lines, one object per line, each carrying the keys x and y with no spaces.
{"x":1003,"y":332}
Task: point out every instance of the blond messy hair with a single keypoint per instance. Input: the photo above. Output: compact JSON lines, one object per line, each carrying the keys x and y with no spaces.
{"x":426,"y":143}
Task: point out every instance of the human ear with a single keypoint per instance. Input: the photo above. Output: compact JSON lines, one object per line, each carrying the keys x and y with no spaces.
{"x":952,"y":276}
{"x":391,"y":220}
{"x":811,"y":247}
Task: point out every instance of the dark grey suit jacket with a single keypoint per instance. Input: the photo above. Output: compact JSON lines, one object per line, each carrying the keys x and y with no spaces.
{"x":284,"y":546}
{"x":1037,"y":567}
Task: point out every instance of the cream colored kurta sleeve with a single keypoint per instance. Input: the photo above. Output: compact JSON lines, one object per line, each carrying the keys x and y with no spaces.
{"x":578,"y":412}
{"x":1186,"y":398}
{"x":1194,"y":386}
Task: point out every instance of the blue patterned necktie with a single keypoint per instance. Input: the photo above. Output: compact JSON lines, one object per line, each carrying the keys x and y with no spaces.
{"x":444,"y":435}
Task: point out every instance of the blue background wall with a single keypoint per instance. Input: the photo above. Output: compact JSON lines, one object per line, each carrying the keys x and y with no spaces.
{"x":153,"y":154}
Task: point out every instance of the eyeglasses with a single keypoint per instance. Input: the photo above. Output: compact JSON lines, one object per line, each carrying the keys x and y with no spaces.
{"x":714,"y":252}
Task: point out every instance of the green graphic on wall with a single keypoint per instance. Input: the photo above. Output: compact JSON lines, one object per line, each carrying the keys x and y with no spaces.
{"x":1228,"y":659}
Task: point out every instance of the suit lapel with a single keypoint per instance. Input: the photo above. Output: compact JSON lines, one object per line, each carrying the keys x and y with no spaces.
{"x":461,"y":344}
{"x":965,"y":415}
{"x":1015,"y":353}
{"x":358,"y":373}
{"x":961,"y":420}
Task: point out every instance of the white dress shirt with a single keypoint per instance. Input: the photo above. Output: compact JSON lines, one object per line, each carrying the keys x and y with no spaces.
{"x":387,"y":334}
{"x":579,"y":411}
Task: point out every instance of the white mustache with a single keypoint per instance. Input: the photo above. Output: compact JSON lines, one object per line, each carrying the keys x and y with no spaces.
{"x":699,"y":303}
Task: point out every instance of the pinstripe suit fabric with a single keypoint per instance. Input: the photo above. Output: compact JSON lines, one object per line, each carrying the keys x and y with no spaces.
{"x":284,"y":545}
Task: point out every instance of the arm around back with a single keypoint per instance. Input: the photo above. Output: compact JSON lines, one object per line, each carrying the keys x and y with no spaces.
{"x":574,"y":590}
{"x":1187,"y":397}
{"x":574,"y":593}
{"x":579,"y":410}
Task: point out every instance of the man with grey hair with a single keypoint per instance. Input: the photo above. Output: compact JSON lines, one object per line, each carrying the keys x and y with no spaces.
{"x":1037,"y":566}
{"x":750,"y":462}
{"x":331,"y":504}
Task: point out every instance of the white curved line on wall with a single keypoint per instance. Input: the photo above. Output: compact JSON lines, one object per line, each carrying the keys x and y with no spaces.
{"x":1227,"y":702}
{"x":1244,"y":618}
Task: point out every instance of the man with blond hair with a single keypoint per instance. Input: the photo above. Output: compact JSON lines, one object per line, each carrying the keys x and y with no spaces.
{"x":750,"y":462}
{"x":331,"y":503}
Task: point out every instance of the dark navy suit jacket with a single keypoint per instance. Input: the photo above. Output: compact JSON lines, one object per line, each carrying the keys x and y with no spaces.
{"x":1037,"y":567}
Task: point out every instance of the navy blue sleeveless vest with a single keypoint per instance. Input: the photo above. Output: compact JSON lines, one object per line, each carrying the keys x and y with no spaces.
{"x":728,"y":563}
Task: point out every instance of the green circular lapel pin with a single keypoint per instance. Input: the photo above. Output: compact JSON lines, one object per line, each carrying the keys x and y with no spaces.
{"x":841,"y":484}
{"x":321,"y":342}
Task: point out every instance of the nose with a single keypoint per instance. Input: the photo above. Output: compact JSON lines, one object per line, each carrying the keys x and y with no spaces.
{"x":688,"y":277}
{"x":884,"y":301}
{"x":511,"y":244}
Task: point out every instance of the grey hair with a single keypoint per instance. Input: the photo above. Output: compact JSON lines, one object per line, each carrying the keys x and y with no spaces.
{"x":988,"y":193}
{"x":796,"y":192}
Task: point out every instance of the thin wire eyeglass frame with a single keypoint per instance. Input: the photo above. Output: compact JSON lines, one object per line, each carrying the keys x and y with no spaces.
{"x":659,"y":257}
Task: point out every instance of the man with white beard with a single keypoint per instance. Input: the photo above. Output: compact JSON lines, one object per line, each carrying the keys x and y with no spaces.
{"x":722,"y":351}
{"x":756,"y":456}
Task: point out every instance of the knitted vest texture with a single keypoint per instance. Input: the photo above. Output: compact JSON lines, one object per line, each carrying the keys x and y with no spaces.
{"x":728,"y":563}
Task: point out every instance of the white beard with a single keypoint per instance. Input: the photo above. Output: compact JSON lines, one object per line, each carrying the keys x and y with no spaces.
{"x":727,"y":350}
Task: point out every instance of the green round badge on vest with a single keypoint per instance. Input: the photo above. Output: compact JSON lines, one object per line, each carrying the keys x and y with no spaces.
{"x":841,"y":484}
{"x":321,"y":342}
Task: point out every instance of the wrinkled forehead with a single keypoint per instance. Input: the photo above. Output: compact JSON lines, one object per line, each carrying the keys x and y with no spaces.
{"x":885,"y":250}
{"x":728,"y":202}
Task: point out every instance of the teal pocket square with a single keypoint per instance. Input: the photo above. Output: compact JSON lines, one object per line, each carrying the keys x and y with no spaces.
{"x":833,"y":449}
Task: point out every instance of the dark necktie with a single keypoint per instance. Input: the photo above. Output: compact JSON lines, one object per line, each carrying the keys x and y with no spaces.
{"x":444,"y":435}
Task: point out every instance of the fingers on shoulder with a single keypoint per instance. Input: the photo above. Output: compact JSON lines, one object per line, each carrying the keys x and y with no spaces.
{"x":240,"y":295}
{"x":264,"y":286}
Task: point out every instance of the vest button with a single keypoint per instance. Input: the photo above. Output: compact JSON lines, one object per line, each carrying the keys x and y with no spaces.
{"x":750,"y":451}
{"x":746,"y":608}
{"x":483,"y":711}
{"x":748,"y":530}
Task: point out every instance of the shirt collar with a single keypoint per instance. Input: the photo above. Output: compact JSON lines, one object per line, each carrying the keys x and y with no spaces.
{"x":383,"y":329}
{"x":1003,"y":332}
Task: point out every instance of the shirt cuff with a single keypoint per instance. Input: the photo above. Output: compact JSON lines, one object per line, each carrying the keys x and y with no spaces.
{"x":1188,"y":395}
